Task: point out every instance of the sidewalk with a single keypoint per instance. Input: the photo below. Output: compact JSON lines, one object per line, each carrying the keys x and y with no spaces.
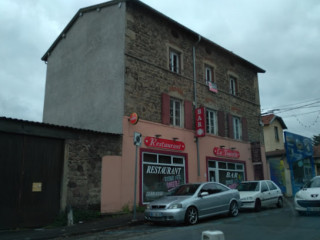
{"x":104,"y":223}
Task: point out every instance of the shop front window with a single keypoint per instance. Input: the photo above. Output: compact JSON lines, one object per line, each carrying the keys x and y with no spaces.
{"x":161,"y":175}
{"x":227,"y":173}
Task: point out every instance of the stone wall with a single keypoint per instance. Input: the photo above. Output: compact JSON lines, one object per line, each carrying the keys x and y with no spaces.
{"x":84,"y":157}
{"x":148,"y":38}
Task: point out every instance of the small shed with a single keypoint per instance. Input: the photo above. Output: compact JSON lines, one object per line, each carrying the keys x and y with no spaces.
{"x":45,"y":168}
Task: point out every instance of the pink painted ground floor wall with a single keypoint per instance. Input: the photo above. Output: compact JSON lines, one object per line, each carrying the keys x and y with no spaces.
{"x":168,"y":157}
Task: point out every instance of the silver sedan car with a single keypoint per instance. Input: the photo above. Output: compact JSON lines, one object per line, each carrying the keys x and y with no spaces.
{"x":190,"y":202}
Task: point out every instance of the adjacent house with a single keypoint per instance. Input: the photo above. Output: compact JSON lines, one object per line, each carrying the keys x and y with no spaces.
{"x":273,"y":127}
{"x":122,"y":67}
{"x":290,"y":156}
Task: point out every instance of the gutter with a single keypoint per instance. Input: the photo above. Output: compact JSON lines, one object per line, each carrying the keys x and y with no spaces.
{"x":195,"y":95}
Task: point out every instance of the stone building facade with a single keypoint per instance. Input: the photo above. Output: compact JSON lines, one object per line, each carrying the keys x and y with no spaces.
{"x":148,"y":42}
{"x":83,"y":172}
{"x":123,"y":57}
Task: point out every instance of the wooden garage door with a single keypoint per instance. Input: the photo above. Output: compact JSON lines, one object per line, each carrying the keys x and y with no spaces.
{"x":30,"y":180}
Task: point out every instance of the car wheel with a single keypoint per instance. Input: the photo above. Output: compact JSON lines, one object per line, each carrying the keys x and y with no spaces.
{"x":257,"y":205}
{"x":280,"y":202}
{"x":234,"y":209}
{"x":191,"y":217}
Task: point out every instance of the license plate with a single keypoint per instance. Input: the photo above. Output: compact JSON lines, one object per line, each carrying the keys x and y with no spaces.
{"x":156,"y":214}
{"x":313,"y":209}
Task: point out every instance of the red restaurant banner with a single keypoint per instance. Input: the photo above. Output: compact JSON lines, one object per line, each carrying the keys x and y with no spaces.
{"x":164,"y":143}
{"x":200,"y":122}
{"x":222,"y":152}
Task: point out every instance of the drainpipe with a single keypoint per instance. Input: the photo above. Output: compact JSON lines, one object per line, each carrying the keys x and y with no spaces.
{"x":195,"y":95}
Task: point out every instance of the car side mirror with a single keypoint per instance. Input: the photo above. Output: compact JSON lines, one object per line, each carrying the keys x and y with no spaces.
{"x":203,"y":194}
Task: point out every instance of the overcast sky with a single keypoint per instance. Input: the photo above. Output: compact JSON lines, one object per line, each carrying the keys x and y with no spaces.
{"x":280,"y":36}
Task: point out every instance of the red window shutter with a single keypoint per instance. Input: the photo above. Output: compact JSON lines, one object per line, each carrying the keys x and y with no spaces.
{"x":221,"y":124}
{"x":165,"y":109}
{"x":244,"y":129}
{"x":230,"y":126}
{"x":188,"y":117}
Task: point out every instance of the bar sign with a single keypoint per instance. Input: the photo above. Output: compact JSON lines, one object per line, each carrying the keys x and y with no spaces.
{"x":200,"y":122}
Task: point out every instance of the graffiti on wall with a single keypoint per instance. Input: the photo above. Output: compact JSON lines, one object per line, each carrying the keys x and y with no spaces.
{"x":299,"y":155}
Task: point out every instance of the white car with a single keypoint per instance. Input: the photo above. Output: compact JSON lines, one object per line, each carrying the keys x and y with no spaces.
{"x":308,"y":198}
{"x":257,"y":194}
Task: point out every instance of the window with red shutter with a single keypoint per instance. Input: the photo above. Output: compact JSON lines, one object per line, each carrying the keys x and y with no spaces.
{"x":165,"y":109}
{"x":230,"y":126}
{"x":221,"y":124}
{"x":245,"y":136}
{"x":188,"y":116}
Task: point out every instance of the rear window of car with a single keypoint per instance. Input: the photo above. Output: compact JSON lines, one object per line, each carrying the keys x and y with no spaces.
{"x":271,"y":185}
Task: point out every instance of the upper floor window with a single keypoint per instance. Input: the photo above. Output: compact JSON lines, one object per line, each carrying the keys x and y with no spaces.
{"x":174,"y":61}
{"x":209,"y":74}
{"x":237,"y":128}
{"x":276,"y":133}
{"x":233,"y":86}
{"x":175,"y":112}
{"x":211,"y":121}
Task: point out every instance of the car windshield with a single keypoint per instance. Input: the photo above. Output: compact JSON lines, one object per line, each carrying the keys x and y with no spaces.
{"x":188,"y":189}
{"x":248,"y":186}
{"x":315,"y":183}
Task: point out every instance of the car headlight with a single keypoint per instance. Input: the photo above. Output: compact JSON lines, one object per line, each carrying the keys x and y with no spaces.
{"x":175,"y":206}
{"x":298,"y":195}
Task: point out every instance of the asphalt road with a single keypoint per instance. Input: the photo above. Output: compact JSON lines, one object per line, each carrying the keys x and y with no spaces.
{"x":271,"y":223}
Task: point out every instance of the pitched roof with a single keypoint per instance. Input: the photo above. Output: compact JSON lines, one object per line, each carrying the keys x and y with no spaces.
{"x":154,"y":12}
{"x":270,"y":118}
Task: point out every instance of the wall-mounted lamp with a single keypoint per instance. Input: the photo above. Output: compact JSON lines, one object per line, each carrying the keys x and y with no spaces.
{"x":233,"y":148}
{"x":222,"y":146}
{"x":175,"y":139}
{"x":157,"y":135}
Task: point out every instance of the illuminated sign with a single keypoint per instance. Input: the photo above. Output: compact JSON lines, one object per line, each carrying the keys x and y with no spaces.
{"x":223,"y":152}
{"x":200,"y":122}
{"x":134,"y":118}
{"x":164,"y":143}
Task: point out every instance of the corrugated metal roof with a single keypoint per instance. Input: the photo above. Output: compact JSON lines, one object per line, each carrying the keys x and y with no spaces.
{"x":52,"y":126}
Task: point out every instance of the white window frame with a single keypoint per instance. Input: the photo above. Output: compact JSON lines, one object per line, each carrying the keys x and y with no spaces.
{"x":237,"y":128}
{"x":276,"y":133}
{"x":175,"y":114}
{"x":209,"y":71}
{"x":233,"y":85}
{"x":157,"y":164}
{"x":174,"y":61}
{"x":211,"y":122}
{"x":239,"y":168}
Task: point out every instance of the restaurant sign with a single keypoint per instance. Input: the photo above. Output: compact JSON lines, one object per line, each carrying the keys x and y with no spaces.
{"x":164,"y":143}
{"x":223,"y":152}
